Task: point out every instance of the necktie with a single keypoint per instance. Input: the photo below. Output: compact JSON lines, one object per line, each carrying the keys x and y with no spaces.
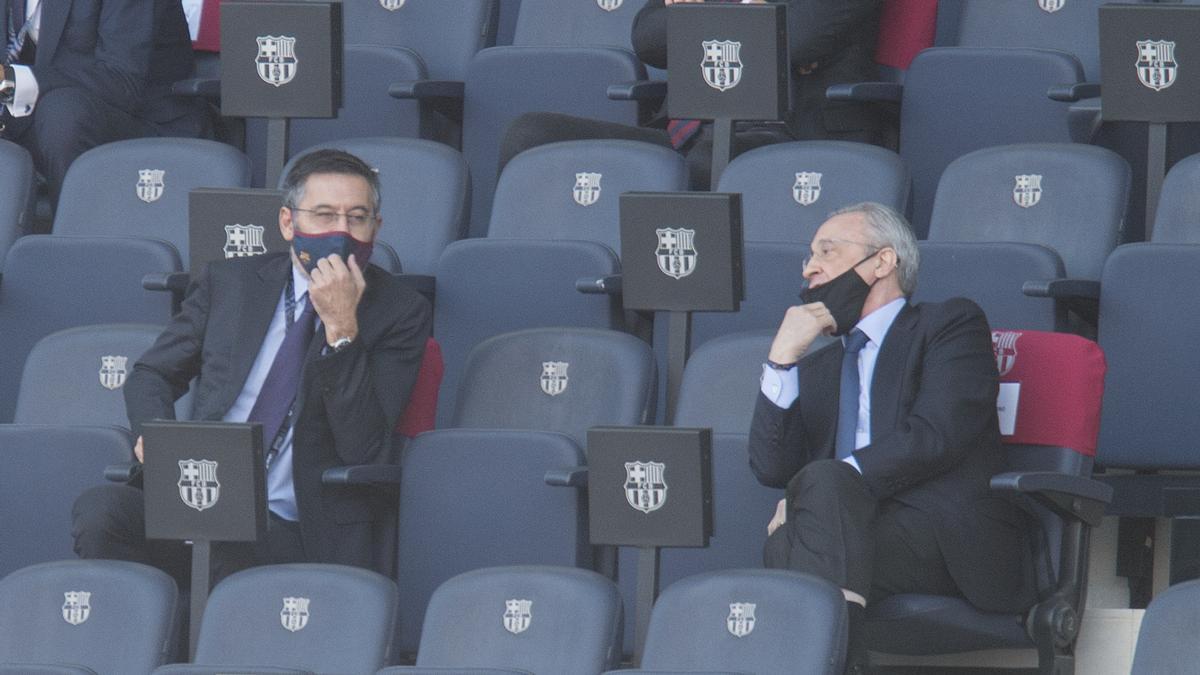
{"x":17,"y":30}
{"x":682,"y":131}
{"x":283,"y":379}
{"x":848,"y":400}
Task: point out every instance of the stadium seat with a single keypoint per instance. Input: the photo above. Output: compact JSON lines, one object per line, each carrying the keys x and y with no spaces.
{"x":445,"y":33}
{"x":479,"y":498}
{"x":299,"y":617}
{"x":487,"y":286}
{"x":572,"y":189}
{"x":1059,"y":383}
{"x":102,"y":616}
{"x":768,"y":622}
{"x":53,"y":282}
{"x":1166,"y":643}
{"x":528,"y":619}
{"x":16,"y":194}
{"x":139,"y":187}
{"x":45,"y":468}
{"x":577,"y":23}
{"x":426,"y":194}
{"x":1177,"y":220}
{"x":574,"y":379}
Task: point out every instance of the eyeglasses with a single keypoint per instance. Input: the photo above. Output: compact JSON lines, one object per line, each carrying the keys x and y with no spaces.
{"x":328,"y":218}
{"x":827,"y":250}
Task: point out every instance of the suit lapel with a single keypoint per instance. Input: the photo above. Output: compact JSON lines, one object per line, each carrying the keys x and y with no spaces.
{"x":264,"y":287}
{"x":887,"y":380}
{"x":54,"y":20}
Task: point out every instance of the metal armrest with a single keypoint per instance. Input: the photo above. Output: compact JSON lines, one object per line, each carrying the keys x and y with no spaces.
{"x":1073,"y":93}
{"x":209,"y":88}
{"x":571,"y":476}
{"x":122,"y":473}
{"x":364,"y":474}
{"x":610,"y":285}
{"x":426,"y":89}
{"x":174,"y":282}
{"x":1072,"y":497}
{"x":873,"y":92}
{"x":640,"y":90}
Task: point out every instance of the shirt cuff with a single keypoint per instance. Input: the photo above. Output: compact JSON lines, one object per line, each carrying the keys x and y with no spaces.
{"x":849,"y":459}
{"x":781,"y":387}
{"x":26,"y":94}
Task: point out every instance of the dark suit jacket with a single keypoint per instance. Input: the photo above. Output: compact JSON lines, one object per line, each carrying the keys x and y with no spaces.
{"x":838,"y":35}
{"x":125,"y":52}
{"x":935,"y":442}
{"x":348,"y":402}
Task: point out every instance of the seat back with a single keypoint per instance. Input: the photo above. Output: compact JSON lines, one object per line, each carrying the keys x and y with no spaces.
{"x":444,"y":33}
{"x":789,"y":189}
{"x":1067,"y":196}
{"x":765,"y":621}
{"x":52,"y":282}
{"x":505,"y":82}
{"x":477,"y":498}
{"x":720,"y":382}
{"x":1177,"y":220}
{"x":551,"y":620}
{"x":579,"y":23}
{"x":557,"y":379}
{"x":947,"y":90}
{"x":16,"y":194}
{"x":425,"y":191}
{"x":319,"y":618}
{"x":572,"y":189}
{"x":107,"y":615}
{"x":1166,"y":640}
{"x":139,"y":187}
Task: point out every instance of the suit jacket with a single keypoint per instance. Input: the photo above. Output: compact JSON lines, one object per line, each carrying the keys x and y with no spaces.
{"x":935,"y":442}
{"x":124,"y":52}
{"x":348,"y":401}
{"x":838,"y":35}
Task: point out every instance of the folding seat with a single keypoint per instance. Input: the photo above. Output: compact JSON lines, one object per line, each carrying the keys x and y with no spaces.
{"x":87,"y":616}
{"x":523,"y":619}
{"x":768,"y":622}
{"x":1058,"y":380}
{"x":572,"y":189}
{"x":426,"y":194}
{"x":139,"y":187}
{"x":480,"y":498}
{"x":1166,"y":641}
{"x":1177,"y":220}
{"x":298,"y":618}
{"x":444,"y":33}
{"x":579,"y":23}
{"x":52,"y":282}
{"x":573,"y":379}
{"x":16,"y":194}
{"x":45,"y":469}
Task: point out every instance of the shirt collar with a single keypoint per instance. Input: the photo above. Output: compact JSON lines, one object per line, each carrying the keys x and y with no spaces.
{"x":299,"y":284}
{"x":877,"y":323}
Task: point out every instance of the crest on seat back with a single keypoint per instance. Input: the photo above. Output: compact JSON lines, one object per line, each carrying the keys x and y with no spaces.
{"x":740,"y":621}
{"x":1027,"y":190}
{"x":676,"y":251}
{"x":609,"y":5}
{"x":150,"y":184}
{"x":722,"y":64}
{"x":112,"y":371}
{"x":807,"y":188}
{"x":392,"y":5}
{"x":276,"y":60}
{"x":587,"y":188}
{"x":1004,"y":346}
{"x":1156,"y":65}
{"x":645,"y":485}
{"x":198,"y":485}
{"x":294,"y":615}
{"x":76,"y":607}
{"x":1051,"y":5}
{"x":518,"y":614}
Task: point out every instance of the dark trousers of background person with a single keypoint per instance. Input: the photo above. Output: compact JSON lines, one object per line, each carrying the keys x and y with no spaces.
{"x":538,"y":128}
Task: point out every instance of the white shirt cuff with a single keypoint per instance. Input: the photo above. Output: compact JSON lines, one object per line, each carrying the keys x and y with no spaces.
{"x":781,"y":387}
{"x":26,"y":95}
{"x":849,"y":459}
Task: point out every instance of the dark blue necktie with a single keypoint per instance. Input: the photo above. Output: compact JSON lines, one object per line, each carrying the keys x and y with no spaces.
{"x":848,"y":400}
{"x":283,"y":379}
{"x":16,"y":31}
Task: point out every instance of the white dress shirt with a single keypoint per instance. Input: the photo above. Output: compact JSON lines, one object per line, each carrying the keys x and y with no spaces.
{"x":26,"y":95}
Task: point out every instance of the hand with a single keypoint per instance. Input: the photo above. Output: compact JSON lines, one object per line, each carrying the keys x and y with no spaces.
{"x":139,"y":451}
{"x":812,"y":68}
{"x":334,"y":289}
{"x":779,"y":518}
{"x":801,"y":325}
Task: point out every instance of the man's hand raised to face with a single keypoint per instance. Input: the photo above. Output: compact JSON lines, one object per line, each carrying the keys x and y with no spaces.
{"x":801,"y":325}
{"x":334,"y":288}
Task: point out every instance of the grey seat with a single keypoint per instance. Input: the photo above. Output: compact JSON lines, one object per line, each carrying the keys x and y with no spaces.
{"x":16,"y":194}
{"x":1177,"y":220}
{"x":578,"y":23}
{"x":1166,"y":644}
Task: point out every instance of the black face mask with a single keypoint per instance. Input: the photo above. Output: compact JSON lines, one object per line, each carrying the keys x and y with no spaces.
{"x":844,"y":297}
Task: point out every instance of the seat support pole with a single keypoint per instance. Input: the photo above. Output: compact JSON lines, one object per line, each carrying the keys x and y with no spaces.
{"x":722,"y":149}
{"x":201,"y":557}
{"x":679,"y":343}
{"x":1156,"y":170}
{"x":649,"y":558}
{"x":277,"y":143}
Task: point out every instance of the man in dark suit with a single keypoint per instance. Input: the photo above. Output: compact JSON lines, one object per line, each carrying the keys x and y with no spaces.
{"x":88,"y":72}
{"x":348,"y":338}
{"x":887,"y":482}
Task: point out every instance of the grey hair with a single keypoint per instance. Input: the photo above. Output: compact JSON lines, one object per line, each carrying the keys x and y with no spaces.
{"x":328,"y":161}
{"x":887,"y":228}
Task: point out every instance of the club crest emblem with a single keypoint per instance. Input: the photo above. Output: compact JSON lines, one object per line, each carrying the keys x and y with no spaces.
{"x":645,"y":489}
{"x":392,"y":5}
{"x":722,"y":64}
{"x":740,"y":621}
{"x":554,"y":377}
{"x":676,"y":251}
{"x":807,"y":188}
{"x":294,"y":615}
{"x":609,"y":5}
{"x":517,"y":615}
{"x":1004,"y":346}
{"x":1051,"y":6}
{"x":587,"y":188}
{"x":198,"y":486}
{"x":150,"y":185}
{"x":1156,"y":63}
{"x":76,"y":607}
{"x":1027,"y":190}
{"x":243,"y":241}
{"x":112,"y":371}
{"x":276,"y":59}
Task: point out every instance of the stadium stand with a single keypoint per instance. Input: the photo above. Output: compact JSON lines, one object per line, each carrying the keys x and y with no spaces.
{"x":300,"y":617}
{"x":1165,"y":644}
{"x":554,"y":620}
{"x":16,"y":194}
{"x":139,"y":187}
{"x":100,"y":616}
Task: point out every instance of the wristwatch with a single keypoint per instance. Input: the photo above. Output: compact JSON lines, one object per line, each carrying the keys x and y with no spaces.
{"x":8,"y":85}
{"x":780,"y":366}
{"x":340,"y":344}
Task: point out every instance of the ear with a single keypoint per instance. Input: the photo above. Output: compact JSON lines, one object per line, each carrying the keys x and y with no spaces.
{"x":887,"y":263}
{"x":286,"y":228}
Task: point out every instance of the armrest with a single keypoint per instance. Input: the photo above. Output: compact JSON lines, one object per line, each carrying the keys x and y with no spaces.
{"x":610,"y":285}
{"x":1072,"y":93}
{"x":875,"y":92}
{"x":209,"y":88}
{"x":640,"y":90}
{"x":427,"y":89}
{"x":1073,"y":497}
{"x":1081,"y":296}
{"x":122,"y":473}
{"x":570,"y":476}
{"x":174,"y":282}
{"x":365,"y":474}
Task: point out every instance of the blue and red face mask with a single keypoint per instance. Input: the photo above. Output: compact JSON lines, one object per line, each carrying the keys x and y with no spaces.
{"x":310,"y":248}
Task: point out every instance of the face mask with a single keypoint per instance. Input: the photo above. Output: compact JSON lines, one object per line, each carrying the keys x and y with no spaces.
{"x":844,"y":297}
{"x":310,"y":248}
